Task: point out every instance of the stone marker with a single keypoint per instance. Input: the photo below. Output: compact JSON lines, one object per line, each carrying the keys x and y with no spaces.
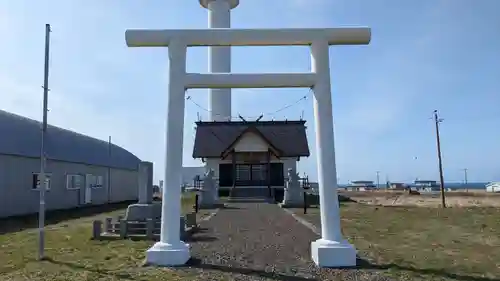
{"x":145,"y":208}
{"x":145,"y":183}
{"x":96,"y":229}
{"x":108,"y":226}
{"x":207,"y":197}
{"x":294,"y":195}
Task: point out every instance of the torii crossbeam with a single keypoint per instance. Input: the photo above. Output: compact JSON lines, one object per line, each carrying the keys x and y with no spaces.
{"x":332,"y":250}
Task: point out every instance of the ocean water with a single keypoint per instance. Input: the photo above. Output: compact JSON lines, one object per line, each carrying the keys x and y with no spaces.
{"x":453,"y":185}
{"x":469,"y":185}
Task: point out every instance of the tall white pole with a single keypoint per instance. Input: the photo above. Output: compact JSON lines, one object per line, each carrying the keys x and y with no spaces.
{"x":219,"y":59}
{"x":171,"y":195}
{"x":323,"y":121}
{"x":171,"y":250}
{"x":42,"y":177}
{"x":331,"y":250}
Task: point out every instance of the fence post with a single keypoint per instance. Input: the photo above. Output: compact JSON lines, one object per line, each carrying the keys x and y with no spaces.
{"x":305,"y":202}
{"x":123,"y":229}
{"x":191,"y":220}
{"x":108,"y":227}
{"x":96,"y":229}
{"x":182,"y":228}
{"x":150,"y":225}
{"x":196,"y":207}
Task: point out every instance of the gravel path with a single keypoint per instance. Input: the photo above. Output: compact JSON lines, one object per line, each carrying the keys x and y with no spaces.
{"x":259,"y":241}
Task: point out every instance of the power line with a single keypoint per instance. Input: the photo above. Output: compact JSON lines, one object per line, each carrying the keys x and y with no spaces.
{"x":265,"y":114}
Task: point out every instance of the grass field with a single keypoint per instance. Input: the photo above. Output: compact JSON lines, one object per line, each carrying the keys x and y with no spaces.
{"x":406,"y":243}
{"x":424,"y":243}
{"x":72,"y":255}
{"x":401,"y":198}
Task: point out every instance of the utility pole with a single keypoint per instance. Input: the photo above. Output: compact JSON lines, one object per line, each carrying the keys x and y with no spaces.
{"x":465,"y":180}
{"x":43,"y":157}
{"x":378,"y":179}
{"x":437,"y":121}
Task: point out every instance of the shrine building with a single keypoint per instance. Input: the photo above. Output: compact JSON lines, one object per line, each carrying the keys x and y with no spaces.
{"x":251,"y":154}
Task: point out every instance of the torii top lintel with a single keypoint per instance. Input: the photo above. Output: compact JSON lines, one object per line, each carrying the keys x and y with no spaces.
{"x":248,"y":37}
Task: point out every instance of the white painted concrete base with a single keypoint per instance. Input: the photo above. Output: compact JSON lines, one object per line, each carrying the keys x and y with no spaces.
{"x":333,"y":254}
{"x":164,"y":254}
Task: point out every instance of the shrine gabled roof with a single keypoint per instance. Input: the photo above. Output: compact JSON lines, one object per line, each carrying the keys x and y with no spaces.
{"x":214,"y":137}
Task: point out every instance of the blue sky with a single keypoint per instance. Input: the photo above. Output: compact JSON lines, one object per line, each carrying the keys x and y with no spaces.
{"x":424,"y":55}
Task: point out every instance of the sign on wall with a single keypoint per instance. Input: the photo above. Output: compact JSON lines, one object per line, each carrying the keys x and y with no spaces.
{"x":35,"y":184}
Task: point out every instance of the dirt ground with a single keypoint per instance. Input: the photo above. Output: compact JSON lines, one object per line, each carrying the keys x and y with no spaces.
{"x":400,"y":198}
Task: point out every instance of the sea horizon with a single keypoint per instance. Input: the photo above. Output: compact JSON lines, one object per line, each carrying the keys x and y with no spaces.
{"x":453,"y":185}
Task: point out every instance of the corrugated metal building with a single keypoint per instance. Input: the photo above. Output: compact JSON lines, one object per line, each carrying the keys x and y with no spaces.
{"x":81,"y":170}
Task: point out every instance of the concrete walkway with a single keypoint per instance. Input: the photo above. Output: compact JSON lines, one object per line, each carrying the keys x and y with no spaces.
{"x":259,"y":241}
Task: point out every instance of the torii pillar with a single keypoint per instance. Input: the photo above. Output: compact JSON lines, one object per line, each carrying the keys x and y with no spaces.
{"x":332,"y":250}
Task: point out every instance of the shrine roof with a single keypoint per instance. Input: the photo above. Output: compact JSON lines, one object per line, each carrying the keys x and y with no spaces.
{"x":214,"y":137}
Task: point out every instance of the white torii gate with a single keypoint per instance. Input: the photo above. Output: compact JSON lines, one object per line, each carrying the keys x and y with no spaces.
{"x":332,"y":250}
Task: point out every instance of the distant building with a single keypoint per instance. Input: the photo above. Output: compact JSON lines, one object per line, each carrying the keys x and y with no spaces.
{"x":425,"y":185}
{"x":190,"y":173}
{"x":493,"y":187}
{"x":397,"y":186}
{"x":80,"y":170}
{"x":361,"y":185}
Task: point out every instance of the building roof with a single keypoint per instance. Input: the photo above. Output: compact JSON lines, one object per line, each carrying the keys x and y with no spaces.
{"x":287,"y":137}
{"x":22,"y":136}
{"x":362,"y":181}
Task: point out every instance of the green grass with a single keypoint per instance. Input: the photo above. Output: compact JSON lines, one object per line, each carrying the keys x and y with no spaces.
{"x":425,"y":243}
{"x":72,"y":255}
{"x":406,"y":243}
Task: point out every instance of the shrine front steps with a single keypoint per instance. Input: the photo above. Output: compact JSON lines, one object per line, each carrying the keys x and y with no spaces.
{"x":249,"y":192}
{"x":250,"y":200}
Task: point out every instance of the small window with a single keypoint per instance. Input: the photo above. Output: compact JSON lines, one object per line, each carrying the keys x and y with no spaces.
{"x":99,"y":181}
{"x":74,"y":181}
{"x":35,"y":185}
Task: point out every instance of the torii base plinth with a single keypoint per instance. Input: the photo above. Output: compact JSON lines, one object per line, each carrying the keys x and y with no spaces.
{"x":164,"y":254}
{"x":326,"y":253}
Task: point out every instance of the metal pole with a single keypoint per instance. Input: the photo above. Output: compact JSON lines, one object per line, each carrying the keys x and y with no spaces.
{"x":465,"y":180}
{"x":42,"y":178}
{"x":437,"y":120}
{"x":196,"y":198}
{"x":305,"y":202}
{"x":378,"y":179}
{"x":109,"y":169}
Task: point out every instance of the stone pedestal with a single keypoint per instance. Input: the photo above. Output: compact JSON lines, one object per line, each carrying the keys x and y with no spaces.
{"x":142,"y":212}
{"x":216,"y":193}
{"x":326,"y":253}
{"x":167,"y":254}
{"x":207,"y":196}
{"x":294,"y":195}
{"x":293,"y":198}
{"x":145,"y":208}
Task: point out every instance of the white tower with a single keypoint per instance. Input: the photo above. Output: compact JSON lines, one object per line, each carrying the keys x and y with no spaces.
{"x":219,"y":58}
